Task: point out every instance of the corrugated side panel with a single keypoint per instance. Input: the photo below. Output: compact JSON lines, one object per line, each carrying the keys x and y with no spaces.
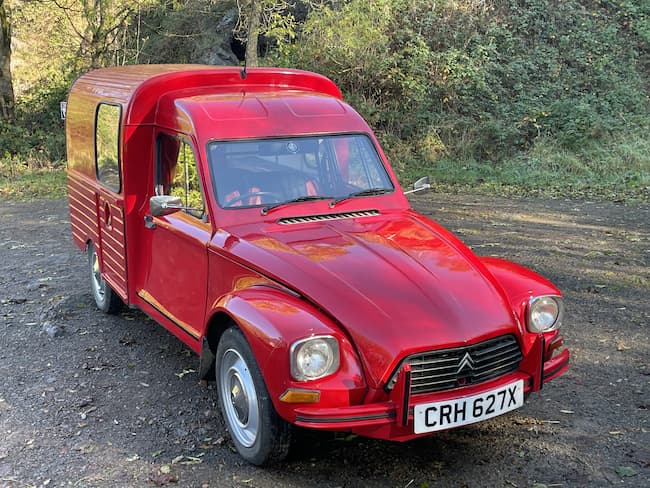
{"x":105,"y":230}
{"x":83,"y":211}
{"x":113,"y":250}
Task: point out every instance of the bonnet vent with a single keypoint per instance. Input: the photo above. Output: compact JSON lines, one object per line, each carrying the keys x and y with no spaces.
{"x":332,"y":216}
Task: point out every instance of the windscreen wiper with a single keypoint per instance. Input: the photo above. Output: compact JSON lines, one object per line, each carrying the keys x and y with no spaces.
{"x":361,"y":193}
{"x":304,"y":198}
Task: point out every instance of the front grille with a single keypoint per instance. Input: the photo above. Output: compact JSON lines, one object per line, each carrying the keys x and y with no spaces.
{"x":451,"y":368}
{"x":333,"y":216}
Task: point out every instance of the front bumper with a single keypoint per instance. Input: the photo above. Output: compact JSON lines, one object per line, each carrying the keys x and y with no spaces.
{"x":393,"y":419}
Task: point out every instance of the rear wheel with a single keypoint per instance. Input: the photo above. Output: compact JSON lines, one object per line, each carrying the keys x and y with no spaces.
{"x":106,"y":299}
{"x":259,"y":434}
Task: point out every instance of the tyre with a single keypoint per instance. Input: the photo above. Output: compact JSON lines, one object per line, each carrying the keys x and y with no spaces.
{"x":106,"y":299}
{"x":260,"y":436}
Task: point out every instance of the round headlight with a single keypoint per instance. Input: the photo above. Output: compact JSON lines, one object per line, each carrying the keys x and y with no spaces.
{"x":314,"y":357}
{"x":545,"y":313}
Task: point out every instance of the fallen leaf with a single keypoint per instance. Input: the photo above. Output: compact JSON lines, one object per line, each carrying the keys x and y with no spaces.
{"x":155,"y":454}
{"x":185,"y":372}
{"x":135,"y":457}
{"x":189,"y":460}
{"x":626,"y":471}
{"x":161,"y":478}
{"x":165,"y":469}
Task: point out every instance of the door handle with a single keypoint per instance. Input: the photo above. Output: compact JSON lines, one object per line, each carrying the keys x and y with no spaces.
{"x":148,"y":222}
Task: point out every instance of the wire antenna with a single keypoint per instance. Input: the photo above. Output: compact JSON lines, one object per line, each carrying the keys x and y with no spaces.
{"x":243,"y":73}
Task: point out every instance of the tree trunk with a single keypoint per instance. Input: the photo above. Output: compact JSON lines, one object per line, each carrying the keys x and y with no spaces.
{"x":253,"y":28}
{"x":6,"y":87}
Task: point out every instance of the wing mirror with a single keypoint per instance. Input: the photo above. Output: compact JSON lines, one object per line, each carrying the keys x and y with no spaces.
{"x":164,"y":205}
{"x":420,"y":185}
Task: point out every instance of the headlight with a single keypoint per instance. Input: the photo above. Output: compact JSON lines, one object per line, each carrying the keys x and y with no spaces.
{"x":545,"y":313}
{"x":314,"y":357}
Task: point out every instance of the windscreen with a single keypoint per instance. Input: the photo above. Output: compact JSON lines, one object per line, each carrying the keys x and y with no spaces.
{"x":270,"y":171}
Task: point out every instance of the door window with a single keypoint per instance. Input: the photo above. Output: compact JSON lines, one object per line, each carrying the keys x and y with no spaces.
{"x":177,"y":174}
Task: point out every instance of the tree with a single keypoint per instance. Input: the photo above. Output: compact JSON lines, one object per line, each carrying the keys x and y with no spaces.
{"x":251,"y":20}
{"x":6,"y":87}
{"x":273,"y":19}
{"x":100,"y":28}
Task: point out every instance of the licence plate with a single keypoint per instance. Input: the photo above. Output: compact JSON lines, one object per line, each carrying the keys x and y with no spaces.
{"x":430,"y":417}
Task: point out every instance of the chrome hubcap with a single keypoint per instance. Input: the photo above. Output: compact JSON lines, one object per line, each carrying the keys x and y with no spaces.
{"x":99,"y":285}
{"x":239,"y":398}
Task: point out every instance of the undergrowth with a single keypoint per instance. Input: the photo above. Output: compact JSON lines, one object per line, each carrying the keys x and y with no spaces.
{"x":525,"y":97}
{"x":42,"y":183}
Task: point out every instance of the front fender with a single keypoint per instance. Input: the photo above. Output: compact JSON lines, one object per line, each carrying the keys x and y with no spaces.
{"x":545,"y":356}
{"x":520,"y":284}
{"x":272,"y":319}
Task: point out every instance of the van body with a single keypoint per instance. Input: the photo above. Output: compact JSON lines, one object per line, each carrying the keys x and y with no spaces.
{"x":254,"y":216}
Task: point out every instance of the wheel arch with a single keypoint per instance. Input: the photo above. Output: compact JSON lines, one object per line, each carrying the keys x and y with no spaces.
{"x":271,"y":320}
{"x":219,"y":322}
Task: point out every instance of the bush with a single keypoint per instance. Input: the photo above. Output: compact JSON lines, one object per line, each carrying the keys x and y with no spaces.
{"x":37,"y":136}
{"x":490,"y":79}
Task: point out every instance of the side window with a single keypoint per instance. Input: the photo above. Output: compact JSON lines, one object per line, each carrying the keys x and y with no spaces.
{"x":107,"y":137}
{"x":177,"y":174}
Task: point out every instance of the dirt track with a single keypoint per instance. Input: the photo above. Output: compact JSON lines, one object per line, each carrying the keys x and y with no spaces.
{"x":114,"y":401}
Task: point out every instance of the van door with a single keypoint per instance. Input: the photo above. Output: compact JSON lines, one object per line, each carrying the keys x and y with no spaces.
{"x":109,"y":203}
{"x":177,"y":275}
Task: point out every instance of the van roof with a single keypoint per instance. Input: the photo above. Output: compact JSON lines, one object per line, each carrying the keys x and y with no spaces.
{"x":138,"y":88}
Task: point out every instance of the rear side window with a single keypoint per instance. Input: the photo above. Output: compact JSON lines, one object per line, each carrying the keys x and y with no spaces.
{"x":107,"y":137}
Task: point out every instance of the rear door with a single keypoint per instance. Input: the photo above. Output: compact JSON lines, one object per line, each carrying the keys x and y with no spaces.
{"x":108,"y":199}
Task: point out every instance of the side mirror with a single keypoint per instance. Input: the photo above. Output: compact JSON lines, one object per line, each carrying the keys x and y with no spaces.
{"x":419,"y":185}
{"x":165,"y":205}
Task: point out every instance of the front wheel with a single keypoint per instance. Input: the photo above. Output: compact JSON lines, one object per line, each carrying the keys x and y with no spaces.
{"x":106,"y":299}
{"x":259,"y":434}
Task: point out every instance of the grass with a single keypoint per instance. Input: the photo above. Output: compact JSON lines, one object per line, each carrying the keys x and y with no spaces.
{"x":41,"y":183}
{"x":613,"y":170}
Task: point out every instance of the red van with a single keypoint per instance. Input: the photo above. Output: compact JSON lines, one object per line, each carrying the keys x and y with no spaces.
{"x":254,"y":215}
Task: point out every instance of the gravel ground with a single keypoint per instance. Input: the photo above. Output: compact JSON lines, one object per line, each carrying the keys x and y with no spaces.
{"x":99,"y":401}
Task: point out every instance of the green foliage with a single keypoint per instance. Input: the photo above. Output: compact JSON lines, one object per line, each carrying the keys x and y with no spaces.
{"x":181,"y":31}
{"x":490,"y":84}
{"x":617,"y":168}
{"x":516,"y":95}
{"x":36,"y":136}
{"x":31,"y":184}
